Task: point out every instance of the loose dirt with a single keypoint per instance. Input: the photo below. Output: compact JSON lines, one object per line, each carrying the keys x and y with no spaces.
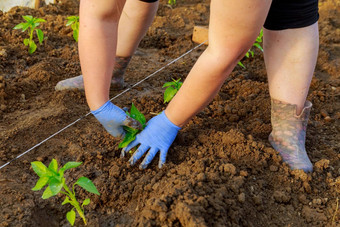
{"x":220,"y":171}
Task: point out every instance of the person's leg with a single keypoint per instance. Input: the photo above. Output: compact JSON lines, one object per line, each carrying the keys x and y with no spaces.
{"x":290,"y":56}
{"x":233,"y":28}
{"x":134,"y":22}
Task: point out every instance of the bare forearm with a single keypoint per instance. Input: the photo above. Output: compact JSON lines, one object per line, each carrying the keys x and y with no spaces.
{"x":199,"y":88}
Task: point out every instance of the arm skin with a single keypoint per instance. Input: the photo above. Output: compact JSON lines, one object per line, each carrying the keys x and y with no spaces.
{"x":234,"y":25}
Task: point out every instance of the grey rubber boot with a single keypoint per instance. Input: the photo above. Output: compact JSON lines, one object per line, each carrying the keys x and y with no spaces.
{"x":117,"y":81}
{"x":289,"y":134}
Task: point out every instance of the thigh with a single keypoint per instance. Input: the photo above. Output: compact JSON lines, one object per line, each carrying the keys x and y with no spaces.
{"x":236,"y":24}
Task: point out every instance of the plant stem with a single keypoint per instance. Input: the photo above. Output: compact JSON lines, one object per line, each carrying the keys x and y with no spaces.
{"x":31,"y":35}
{"x":75,"y":202}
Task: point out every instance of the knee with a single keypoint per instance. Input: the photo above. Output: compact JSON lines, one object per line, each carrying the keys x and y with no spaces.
{"x":226,"y":57}
{"x":104,"y":10}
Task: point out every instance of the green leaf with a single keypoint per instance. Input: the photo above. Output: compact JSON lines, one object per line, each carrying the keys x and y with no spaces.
{"x":40,"y":183}
{"x":179,"y":85}
{"x":53,"y":166}
{"x":87,"y":184}
{"x":26,"y":42}
{"x":25,"y":27}
{"x":258,"y":46}
{"x":75,"y":35}
{"x":259,"y":37}
{"x":241,"y":64}
{"x":130,"y":136}
{"x":168,"y":84}
{"x":169,"y":94}
{"x":69,"y":22}
{"x":47,"y":193}
{"x":55,"y":185}
{"x":247,"y":54}
{"x":19,"y":26}
{"x":74,"y":26}
{"x":135,"y":114}
{"x":86,"y":202}
{"x":171,"y":2}
{"x":66,"y":201}
{"x":69,"y":165}
{"x":32,"y":47}
{"x":71,"y":216}
{"x":40,"y":169}
{"x":28,"y":18}
{"x":40,"y":35}
{"x":39,"y":20}
{"x":252,"y":53}
{"x":130,"y":130}
{"x":35,"y":25}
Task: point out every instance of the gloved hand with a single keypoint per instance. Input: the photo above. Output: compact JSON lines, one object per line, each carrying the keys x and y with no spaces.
{"x":158,"y":135}
{"x":113,"y":119}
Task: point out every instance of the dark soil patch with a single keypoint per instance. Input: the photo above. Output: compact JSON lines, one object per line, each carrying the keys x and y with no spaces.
{"x":221,"y":170}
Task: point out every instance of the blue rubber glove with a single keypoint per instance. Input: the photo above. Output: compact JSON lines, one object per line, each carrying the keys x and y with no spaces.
{"x":158,"y":135}
{"x":114,"y":118}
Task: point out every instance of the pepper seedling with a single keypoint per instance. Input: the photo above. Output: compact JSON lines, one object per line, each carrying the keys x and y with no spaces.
{"x":56,"y":182}
{"x":130,"y":133}
{"x":171,"y":2}
{"x":172,"y":88}
{"x":31,"y":25}
{"x":74,"y":22}
{"x":257,"y":45}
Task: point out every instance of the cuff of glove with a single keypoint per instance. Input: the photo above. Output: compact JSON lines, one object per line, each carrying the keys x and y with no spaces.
{"x":100,"y":109}
{"x":108,"y":112}
{"x":168,"y":123}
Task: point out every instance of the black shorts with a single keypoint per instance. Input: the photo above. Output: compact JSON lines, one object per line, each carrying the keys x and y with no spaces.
{"x":285,"y":14}
{"x":148,"y":1}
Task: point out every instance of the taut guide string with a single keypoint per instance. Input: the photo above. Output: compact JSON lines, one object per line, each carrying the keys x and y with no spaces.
{"x":123,"y":92}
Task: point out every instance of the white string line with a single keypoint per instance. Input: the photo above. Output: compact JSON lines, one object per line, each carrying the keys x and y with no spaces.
{"x":126,"y":90}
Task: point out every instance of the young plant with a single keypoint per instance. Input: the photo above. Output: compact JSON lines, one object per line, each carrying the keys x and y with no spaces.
{"x":31,"y":25}
{"x":172,"y":89}
{"x":130,"y":133}
{"x":74,"y":22}
{"x":171,"y":2}
{"x":57,"y":184}
{"x":257,"y":45}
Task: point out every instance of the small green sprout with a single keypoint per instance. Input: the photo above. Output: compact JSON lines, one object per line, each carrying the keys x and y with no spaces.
{"x":31,"y":25}
{"x":130,"y":133}
{"x":171,"y":2}
{"x":56,"y":182}
{"x":172,"y":88}
{"x":257,"y":45}
{"x":74,"y":22}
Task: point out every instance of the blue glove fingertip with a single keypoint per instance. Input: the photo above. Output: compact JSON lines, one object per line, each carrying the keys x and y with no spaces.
{"x":138,"y":154}
{"x":162,"y":158}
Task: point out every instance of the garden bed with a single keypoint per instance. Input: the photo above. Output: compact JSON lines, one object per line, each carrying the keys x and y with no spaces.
{"x":220,"y":171}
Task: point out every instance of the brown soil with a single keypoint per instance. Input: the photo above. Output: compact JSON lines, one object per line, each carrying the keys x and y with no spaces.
{"x":220,"y":171}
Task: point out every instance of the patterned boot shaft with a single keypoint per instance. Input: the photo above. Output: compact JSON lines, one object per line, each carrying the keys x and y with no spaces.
{"x":117,"y":81}
{"x":289,"y":134}
{"x":121,"y":64}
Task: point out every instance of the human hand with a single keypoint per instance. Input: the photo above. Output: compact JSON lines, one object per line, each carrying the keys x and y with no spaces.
{"x":113,"y":119}
{"x":158,"y":135}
